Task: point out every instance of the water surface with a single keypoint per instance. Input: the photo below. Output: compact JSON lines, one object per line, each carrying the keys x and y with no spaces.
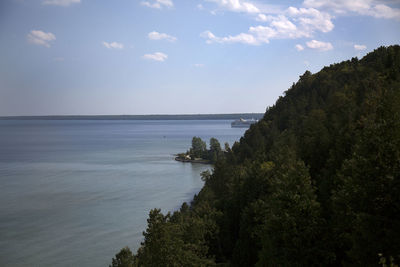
{"x":72,"y":193}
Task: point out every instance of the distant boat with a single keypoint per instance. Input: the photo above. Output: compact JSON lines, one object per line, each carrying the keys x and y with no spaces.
{"x":242,"y":123}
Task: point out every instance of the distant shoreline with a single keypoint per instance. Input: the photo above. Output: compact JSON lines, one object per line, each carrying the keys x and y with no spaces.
{"x":231,"y":116}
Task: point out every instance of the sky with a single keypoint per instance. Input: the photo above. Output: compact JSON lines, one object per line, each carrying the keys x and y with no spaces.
{"x":95,"y":57}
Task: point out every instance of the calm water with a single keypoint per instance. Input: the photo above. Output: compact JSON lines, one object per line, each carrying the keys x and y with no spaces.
{"x":73,"y":193}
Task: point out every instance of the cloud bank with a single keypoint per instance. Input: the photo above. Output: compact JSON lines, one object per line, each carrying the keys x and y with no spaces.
{"x":292,"y":24}
{"x":377,"y":9}
{"x":296,"y":22}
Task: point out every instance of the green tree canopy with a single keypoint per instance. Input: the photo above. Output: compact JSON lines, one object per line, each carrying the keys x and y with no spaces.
{"x":199,"y":147}
{"x":124,"y":258}
{"x":316,"y":182}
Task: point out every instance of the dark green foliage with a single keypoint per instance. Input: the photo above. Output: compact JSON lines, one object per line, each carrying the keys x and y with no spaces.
{"x":292,"y":229}
{"x":226,"y":147}
{"x":215,"y":150}
{"x":369,"y":191}
{"x":176,"y":240}
{"x":215,"y":146}
{"x":198,"y":151}
{"x":199,"y":147}
{"x":124,"y":258}
{"x":316,"y":182}
{"x":388,"y":261}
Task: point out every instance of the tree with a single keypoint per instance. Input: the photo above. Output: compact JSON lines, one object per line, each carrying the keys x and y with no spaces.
{"x":199,"y":147}
{"x":368,"y":199}
{"x":124,"y":258}
{"x":291,"y":235}
{"x":215,"y":146}
{"x":315,"y":182}
{"x":172,"y":243}
{"x":226,"y":147}
{"x":215,"y":150}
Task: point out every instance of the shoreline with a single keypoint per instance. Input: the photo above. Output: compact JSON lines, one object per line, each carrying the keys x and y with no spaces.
{"x":201,"y":161}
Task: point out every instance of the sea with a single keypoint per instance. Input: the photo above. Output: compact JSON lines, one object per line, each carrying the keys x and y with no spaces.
{"x":74,"y":192}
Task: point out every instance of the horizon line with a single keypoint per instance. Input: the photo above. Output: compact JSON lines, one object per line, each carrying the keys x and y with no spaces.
{"x":133,"y":116}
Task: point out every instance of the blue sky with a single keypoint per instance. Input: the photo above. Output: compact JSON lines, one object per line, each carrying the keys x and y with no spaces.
{"x":91,"y":57}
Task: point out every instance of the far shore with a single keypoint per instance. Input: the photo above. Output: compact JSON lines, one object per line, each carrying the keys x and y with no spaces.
{"x":227,"y":116}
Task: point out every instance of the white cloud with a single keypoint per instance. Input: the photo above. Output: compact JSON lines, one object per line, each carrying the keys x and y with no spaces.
{"x":158,"y":4}
{"x":318,"y":45}
{"x":285,"y":28}
{"x":200,"y":7}
{"x":198,"y":65}
{"x":262,"y":34}
{"x":264,"y":18}
{"x":60,"y":2}
{"x":280,"y":27}
{"x":360,"y":47}
{"x":237,"y":6}
{"x":339,"y":6}
{"x":158,"y":56}
{"x":240,"y":38}
{"x":384,"y":11}
{"x":305,"y":20}
{"x":41,"y":38}
{"x":213,"y":12}
{"x":299,"y":47}
{"x":375,"y":8}
{"x":311,"y":19}
{"x":292,"y":23}
{"x":113,"y":45}
{"x":161,"y":36}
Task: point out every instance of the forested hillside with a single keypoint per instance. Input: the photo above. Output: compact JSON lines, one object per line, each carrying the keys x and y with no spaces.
{"x":315,"y":182}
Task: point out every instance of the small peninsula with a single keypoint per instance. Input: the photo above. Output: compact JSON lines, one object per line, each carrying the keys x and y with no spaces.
{"x":199,"y":153}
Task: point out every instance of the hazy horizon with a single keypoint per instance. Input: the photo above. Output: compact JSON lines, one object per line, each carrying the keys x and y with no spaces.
{"x":121,"y":115}
{"x":71,"y":57}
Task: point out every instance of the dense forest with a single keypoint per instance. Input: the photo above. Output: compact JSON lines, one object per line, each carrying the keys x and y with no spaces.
{"x":315,"y":182}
